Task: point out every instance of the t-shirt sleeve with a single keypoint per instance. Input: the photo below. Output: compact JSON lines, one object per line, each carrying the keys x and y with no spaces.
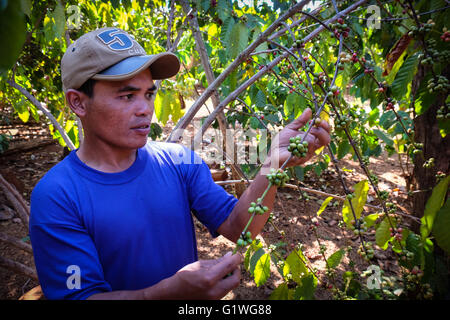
{"x":66,"y":259}
{"x":210,"y":203}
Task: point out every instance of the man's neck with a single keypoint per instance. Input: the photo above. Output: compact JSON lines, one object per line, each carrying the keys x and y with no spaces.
{"x":106,"y":159}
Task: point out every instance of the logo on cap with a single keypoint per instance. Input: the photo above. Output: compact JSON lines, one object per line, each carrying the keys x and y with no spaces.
{"x":116,"y":39}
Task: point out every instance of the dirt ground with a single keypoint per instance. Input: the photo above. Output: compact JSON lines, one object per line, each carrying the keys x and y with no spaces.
{"x":23,"y":169}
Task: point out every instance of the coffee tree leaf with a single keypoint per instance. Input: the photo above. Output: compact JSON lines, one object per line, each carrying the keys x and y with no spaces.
{"x":370,"y":219}
{"x":161,"y":110}
{"x":12,"y":34}
{"x":305,"y":290}
{"x":383,"y":234}
{"x":434,"y":203}
{"x":441,"y":227}
{"x":262,"y":269}
{"x":237,"y":40}
{"x":226,"y":30}
{"x":358,"y":202}
{"x":335,"y":259}
{"x":60,"y":20}
{"x":294,"y":265}
{"x":282,"y":292}
{"x":252,"y":248}
{"x":380,"y":134}
{"x":254,"y":259}
{"x":324,"y":205}
{"x":404,"y":76}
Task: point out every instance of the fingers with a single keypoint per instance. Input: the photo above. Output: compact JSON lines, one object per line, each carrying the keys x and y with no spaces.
{"x":300,"y":121}
{"x":226,"y":264}
{"x":325,"y":125}
{"x":225,"y":275}
{"x":321,"y":136}
{"x":231,"y":281}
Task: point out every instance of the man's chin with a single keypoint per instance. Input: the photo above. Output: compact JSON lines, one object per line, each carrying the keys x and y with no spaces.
{"x":139,"y":144}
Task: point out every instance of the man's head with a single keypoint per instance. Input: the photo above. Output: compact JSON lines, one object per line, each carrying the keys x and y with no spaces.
{"x":109,"y":83}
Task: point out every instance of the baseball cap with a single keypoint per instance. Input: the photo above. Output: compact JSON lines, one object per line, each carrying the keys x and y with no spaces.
{"x":112,"y":54}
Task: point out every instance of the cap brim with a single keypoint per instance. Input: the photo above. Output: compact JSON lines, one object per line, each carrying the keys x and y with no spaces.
{"x":162,"y":66}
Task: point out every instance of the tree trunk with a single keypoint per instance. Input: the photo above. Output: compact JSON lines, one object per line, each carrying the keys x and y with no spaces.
{"x":201,"y":49}
{"x":434,"y":146}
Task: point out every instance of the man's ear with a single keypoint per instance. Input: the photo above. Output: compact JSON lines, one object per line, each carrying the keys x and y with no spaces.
{"x":77,"y":101}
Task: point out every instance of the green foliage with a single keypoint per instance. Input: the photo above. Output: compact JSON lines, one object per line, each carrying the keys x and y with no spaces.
{"x":167,"y":104}
{"x":441,"y":226}
{"x":335,"y":259}
{"x":404,"y":77}
{"x":155,"y":131}
{"x":434,"y":203}
{"x":4,"y":142}
{"x":306,"y":288}
{"x":383,"y":234}
{"x":295,"y":267}
{"x":262,"y":269}
{"x":324,"y":205}
{"x":358,"y":201}
{"x":12,"y":32}
{"x":282,"y":292}
{"x":237,"y":40}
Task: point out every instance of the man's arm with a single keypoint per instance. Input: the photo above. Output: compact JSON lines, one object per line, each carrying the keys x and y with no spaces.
{"x":203,"y":279}
{"x":318,"y":137}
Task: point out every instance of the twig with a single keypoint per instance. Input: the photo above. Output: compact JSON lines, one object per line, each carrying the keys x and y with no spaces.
{"x":253,"y":113}
{"x":47,"y":113}
{"x":15,"y":242}
{"x":16,"y":200}
{"x":18,"y":267}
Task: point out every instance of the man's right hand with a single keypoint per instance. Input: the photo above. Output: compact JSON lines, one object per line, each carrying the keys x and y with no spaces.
{"x":207,"y":279}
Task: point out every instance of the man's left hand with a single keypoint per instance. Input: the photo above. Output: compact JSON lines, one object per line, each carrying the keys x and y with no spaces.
{"x":319,"y":136}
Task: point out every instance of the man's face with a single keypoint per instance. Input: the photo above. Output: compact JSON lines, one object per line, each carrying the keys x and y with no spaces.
{"x":120,"y":112}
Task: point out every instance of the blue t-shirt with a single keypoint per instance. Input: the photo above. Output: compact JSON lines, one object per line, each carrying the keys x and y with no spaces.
{"x":94,"y":232}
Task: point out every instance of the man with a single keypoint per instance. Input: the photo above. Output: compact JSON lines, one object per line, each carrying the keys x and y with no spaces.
{"x":113,"y":219}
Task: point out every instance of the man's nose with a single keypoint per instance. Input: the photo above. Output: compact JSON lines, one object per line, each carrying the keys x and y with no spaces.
{"x":144,"y":107}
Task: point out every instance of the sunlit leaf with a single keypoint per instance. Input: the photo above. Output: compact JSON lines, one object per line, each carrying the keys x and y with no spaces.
{"x":262,"y":269}
{"x":358,"y":202}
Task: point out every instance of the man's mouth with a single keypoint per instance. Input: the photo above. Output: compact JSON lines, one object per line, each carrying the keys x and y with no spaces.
{"x":144,"y":126}
{"x":143,"y":129}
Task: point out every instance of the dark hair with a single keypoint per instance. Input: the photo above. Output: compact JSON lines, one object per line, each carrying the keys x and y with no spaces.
{"x":88,"y":87}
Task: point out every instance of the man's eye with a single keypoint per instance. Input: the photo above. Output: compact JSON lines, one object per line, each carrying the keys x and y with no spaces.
{"x":127,"y":97}
{"x":150,"y":95}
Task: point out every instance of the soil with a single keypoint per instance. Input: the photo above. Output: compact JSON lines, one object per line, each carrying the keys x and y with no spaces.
{"x":24,"y":168}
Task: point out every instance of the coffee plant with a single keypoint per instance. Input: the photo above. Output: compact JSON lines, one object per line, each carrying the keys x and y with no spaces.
{"x":381,"y":81}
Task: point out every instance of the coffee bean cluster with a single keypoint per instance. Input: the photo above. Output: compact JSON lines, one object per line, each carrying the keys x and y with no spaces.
{"x":278,"y":177}
{"x":367,"y":254}
{"x":298,"y":148}
{"x":309,"y":65}
{"x":429,"y":163}
{"x":443,"y":112}
{"x":244,"y":239}
{"x":342,"y":122}
{"x":422,"y":29}
{"x":340,"y":27}
{"x":257,"y":208}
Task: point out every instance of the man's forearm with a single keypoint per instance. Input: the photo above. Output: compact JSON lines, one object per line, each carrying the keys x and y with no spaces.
{"x":160,"y":291}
